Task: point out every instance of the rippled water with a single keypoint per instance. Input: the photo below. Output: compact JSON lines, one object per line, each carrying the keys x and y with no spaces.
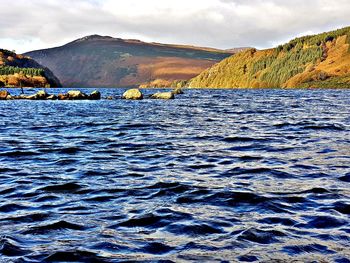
{"x":243,"y":175}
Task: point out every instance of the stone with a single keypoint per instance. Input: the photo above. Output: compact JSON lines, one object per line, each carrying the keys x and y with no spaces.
{"x":76,"y":95}
{"x":4,"y":94}
{"x":62,"y":97}
{"x":178,"y":91}
{"x":110,"y":98}
{"x":133,"y":94}
{"x":95,"y":95}
{"x":52,"y":97}
{"x":20,"y":97}
{"x":31,"y":97}
{"x":163,"y":96}
{"x":41,"y":95}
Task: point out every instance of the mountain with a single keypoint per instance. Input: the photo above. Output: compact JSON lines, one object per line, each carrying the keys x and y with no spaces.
{"x":17,"y":70}
{"x":113,"y":62}
{"x":307,"y":62}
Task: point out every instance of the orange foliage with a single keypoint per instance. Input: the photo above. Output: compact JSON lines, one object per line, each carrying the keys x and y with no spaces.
{"x":18,"y":80}
{"x":337,"y":63}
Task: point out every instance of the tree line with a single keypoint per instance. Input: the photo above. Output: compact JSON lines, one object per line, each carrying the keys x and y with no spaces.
{"x":9,"y":70}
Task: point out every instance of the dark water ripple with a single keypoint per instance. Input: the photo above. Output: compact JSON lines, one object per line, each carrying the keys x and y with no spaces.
{"x":214,"y":176}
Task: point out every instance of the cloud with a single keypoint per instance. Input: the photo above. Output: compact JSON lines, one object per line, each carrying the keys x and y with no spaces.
{"x":27,"y":25}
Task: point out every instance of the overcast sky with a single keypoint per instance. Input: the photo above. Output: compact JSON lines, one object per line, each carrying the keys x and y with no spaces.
{"x":34,"y":24}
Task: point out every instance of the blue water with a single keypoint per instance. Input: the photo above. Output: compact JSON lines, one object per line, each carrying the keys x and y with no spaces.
{"x":240,"y":175}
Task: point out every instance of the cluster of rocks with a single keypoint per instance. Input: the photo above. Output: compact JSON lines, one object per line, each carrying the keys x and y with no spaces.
{"x":132,"y":94}
{"x":43,"y":95}
{"x":136,"y":94}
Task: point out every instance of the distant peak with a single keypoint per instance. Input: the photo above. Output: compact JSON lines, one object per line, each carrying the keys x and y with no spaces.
{"x":238,"y":49}
{"x":94,"y":37}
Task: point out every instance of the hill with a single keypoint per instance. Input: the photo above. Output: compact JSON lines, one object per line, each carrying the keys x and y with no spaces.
{"x":18,"y":70}
{"x":113,"y":62}
{"x":307,"y":62}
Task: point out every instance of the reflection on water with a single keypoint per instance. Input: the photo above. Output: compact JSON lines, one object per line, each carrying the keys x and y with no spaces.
{"x":243,"y":175}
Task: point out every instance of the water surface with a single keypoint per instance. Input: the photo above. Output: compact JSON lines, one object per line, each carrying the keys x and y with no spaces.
{"x":242,"y":175}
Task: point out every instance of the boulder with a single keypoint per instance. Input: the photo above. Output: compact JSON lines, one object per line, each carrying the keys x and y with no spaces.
{"x":178,"y":91}
{"x":52,"y":97}
{"x":20,"y":97}
{"x":62,"y":97}
{"x":95,"y":95}
{"x":110,"y":98}
{"x":4,"y":94}
{"x":163,"y":96}
{"x":76,"y":95}
{"x":31,"y":97}
{"x":133,"y":94}
{"x":41,"y":95}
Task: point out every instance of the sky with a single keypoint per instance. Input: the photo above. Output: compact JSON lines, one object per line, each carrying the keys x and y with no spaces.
{"x":27,"y":25}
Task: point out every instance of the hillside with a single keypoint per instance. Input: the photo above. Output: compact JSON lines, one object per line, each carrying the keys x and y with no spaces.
{"x":113,"y":62}
{"x":308,"y":62}
{"x":17,"y":70}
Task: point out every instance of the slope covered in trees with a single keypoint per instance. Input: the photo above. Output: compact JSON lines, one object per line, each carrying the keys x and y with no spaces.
{"x":312,"y":61}
{"x":17,"y":71}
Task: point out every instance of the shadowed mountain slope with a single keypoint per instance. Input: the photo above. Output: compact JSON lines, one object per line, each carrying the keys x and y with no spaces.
{"x":113,"y":62}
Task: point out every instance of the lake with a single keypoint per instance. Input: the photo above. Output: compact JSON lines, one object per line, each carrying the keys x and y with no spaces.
{"x":214,"y":176}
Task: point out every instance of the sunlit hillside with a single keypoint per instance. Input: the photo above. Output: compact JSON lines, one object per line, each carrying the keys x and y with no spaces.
{"x":312,"y":61}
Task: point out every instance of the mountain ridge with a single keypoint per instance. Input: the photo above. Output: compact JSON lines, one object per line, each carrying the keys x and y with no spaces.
{"x":131,"y":40}
{"x":105,"y":61}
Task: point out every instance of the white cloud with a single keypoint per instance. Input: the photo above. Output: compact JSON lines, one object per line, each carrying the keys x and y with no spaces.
{"x":27,"y":25}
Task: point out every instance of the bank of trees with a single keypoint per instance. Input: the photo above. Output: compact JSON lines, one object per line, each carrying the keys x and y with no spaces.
{"x":9,"y":70}
{"x":315,"y":40}
{"x":290,"y":64}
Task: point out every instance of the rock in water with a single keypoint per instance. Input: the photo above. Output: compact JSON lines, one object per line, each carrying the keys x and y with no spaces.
{"x":52,"y":97}
{"x":41,"y":95}
{"x":95,"y":95}
{"x":76,"y":95}
{"x":133,"y":94}
{"x":20,"y":97}
{"x":4,"y":94}
{"x":62,"y":96}
{"x":31,"y":97}
{"x":163,"y":96}
{"x":178,"y":91}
